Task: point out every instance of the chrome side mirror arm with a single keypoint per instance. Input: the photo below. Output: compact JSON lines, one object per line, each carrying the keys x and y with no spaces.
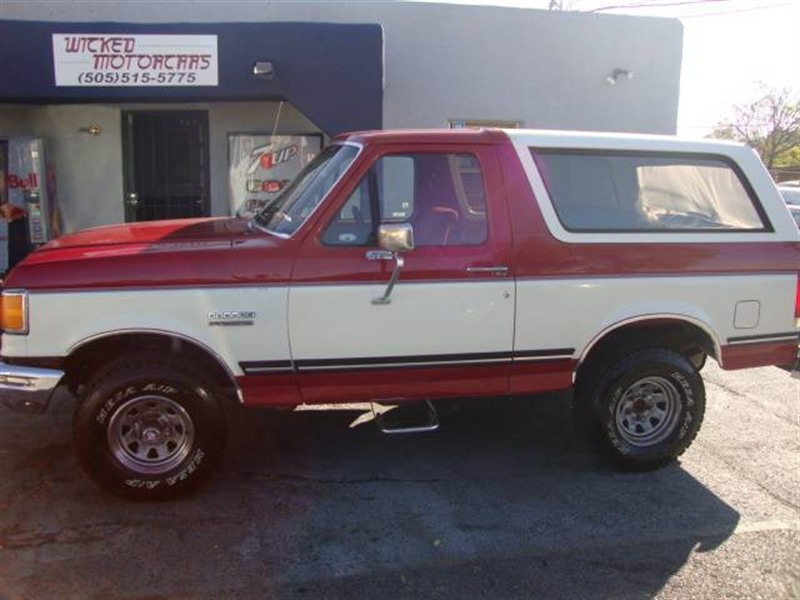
{"x":393,"y":238}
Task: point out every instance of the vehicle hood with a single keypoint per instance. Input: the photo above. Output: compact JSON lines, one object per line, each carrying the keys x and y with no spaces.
{"x":186,"y":252}
{"x":163,"y":232}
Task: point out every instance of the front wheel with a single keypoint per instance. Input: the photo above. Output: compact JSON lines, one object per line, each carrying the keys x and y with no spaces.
{"x":644,"y":409}
{"x":149,"y":428}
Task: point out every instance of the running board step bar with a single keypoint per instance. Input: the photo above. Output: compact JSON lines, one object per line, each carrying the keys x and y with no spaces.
{"x":405,"y":417}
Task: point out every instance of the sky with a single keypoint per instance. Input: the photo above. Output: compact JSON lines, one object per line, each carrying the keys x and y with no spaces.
{"x":730,"y":47}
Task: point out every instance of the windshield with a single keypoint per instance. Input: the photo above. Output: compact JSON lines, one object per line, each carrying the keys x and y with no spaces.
{"x":288,"y":211}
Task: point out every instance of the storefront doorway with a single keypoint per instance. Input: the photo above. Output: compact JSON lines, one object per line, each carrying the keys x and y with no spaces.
{"x":166,"y":166}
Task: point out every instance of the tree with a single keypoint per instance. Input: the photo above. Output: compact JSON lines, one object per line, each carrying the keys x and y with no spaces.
{"x":770,"y":124}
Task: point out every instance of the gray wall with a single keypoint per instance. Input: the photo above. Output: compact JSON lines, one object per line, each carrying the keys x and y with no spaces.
{"x":15,"y":119}
{"x":88,"y":168}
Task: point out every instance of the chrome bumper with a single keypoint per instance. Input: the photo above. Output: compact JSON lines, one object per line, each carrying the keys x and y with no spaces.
{"x":27,"y":389}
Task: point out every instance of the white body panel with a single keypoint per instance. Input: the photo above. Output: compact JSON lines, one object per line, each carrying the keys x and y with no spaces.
{"x":329,"y":322}
{"x":423,"y":318}
{"x":570,"y":313}
{"x":60,"y":322}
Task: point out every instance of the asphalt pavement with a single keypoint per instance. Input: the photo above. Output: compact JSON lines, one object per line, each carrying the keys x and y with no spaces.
{"x":501,"y":502}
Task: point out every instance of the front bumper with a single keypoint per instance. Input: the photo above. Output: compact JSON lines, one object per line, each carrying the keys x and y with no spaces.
{"x":27,"y":389}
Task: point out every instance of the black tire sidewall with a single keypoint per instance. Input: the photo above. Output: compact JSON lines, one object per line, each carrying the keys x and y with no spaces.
{"x":119,"y":383}
{"x":682,"y":375}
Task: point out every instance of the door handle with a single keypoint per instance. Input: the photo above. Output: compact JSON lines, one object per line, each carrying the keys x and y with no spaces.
{"x":498,"y":271}
{"x":398,"y":266}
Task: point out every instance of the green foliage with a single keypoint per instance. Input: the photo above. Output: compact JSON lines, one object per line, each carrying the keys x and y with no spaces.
{"x":770,"y":124}
{"x":790,"y":158}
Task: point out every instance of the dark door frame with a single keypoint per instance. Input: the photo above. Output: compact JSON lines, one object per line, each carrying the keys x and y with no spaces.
{"x":128,"y":161}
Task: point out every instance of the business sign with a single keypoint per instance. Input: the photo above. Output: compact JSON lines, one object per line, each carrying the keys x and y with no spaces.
{"x":118,"y":60}
{"x":261,"y":166}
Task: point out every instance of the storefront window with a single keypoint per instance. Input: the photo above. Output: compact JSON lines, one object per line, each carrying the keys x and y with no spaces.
{"x":261,"y":166}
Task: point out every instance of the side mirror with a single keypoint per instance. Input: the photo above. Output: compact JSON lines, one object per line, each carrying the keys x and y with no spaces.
{"x":396,"y":237}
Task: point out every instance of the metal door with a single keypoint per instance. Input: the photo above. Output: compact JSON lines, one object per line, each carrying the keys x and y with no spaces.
{"x":166,"y":164}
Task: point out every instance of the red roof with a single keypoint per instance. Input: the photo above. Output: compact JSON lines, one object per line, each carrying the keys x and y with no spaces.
{"x":468,"y":135}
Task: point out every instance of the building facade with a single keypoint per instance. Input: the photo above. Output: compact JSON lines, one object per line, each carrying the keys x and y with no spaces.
{"x":173,"y":109}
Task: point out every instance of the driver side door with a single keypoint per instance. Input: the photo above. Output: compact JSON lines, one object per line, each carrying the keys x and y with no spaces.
{"x":447,"y":329}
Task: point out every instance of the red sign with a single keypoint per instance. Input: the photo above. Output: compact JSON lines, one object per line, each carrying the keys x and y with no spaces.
{"x":272,"y":159}
{"x":30,"y":182}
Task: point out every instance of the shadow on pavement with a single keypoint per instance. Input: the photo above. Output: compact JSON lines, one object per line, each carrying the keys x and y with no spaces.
{"x":501,"y":501}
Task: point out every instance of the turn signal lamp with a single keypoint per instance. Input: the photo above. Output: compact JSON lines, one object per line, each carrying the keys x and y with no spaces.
{"x":14,"y":312}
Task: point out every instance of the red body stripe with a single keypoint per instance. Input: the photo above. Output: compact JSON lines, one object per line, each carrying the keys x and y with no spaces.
{"x":270,"y":390}
{"x":744,"y":356}
{"x":408,"y":384}
{"x":534,"y":377}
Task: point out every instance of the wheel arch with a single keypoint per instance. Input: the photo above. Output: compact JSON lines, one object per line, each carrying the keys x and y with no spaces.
{"x":89,"y":354}
{"x":679,"y":331}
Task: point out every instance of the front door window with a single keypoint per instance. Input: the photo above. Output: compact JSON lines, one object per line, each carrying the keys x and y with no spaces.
{"x":441,"y":195}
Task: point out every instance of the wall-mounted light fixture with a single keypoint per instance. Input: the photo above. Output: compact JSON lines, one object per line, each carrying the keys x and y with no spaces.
{"x":92,"y":130}
{"x":617,"y":74}
{"x":263,"y":69}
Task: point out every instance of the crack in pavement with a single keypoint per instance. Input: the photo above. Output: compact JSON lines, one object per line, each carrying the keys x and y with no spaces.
{"x":746,"y":397}
{"x":733,"y":467}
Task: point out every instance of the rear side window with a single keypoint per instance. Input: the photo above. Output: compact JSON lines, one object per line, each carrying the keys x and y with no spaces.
{"x":592,"y":191}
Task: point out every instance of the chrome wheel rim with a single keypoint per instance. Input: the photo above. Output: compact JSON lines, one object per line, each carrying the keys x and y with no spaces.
{"x":150,"y":434}
{"x":648,"y":411}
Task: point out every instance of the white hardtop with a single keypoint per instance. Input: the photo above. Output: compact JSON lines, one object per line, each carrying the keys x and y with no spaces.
{"x":542,"y":138}
{"x":783,"y":226}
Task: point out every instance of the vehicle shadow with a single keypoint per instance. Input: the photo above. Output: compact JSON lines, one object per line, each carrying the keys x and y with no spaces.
{"x":501,"y":501}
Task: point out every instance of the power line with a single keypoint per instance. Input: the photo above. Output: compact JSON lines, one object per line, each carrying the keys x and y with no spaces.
{"x":730,"y":12}
{"x":654,"y":4}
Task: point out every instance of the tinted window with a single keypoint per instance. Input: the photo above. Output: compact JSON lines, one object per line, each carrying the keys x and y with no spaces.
{"x":620,"y":192}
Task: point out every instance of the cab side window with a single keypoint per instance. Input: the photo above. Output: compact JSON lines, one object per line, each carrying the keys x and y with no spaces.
{"x":441,"y":195}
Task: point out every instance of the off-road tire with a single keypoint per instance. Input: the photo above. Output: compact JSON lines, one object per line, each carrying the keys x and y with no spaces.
{"x":641,"y":409}
{"x":149,"y":427}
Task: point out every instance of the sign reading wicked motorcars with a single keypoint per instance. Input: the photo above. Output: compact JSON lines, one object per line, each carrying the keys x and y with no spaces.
{"x":98,"y":59}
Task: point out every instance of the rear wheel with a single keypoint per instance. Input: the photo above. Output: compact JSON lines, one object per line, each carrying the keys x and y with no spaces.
{"x":149,"y":428}
{"x":642,"y":409}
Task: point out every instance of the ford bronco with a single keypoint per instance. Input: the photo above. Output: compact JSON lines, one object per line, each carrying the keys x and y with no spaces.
{"x":411,"y":266}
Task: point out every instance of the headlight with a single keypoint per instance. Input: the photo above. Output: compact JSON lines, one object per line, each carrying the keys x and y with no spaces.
{"x":14,"y":311}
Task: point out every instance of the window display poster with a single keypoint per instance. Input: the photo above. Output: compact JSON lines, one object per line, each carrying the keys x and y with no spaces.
{"x":260,"y":166}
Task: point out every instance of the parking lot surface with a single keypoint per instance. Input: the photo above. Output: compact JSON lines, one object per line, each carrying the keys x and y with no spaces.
{"x":501,"y":502}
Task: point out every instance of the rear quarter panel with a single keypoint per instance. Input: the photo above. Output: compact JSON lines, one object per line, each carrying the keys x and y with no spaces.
{"x":573,"y":287}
